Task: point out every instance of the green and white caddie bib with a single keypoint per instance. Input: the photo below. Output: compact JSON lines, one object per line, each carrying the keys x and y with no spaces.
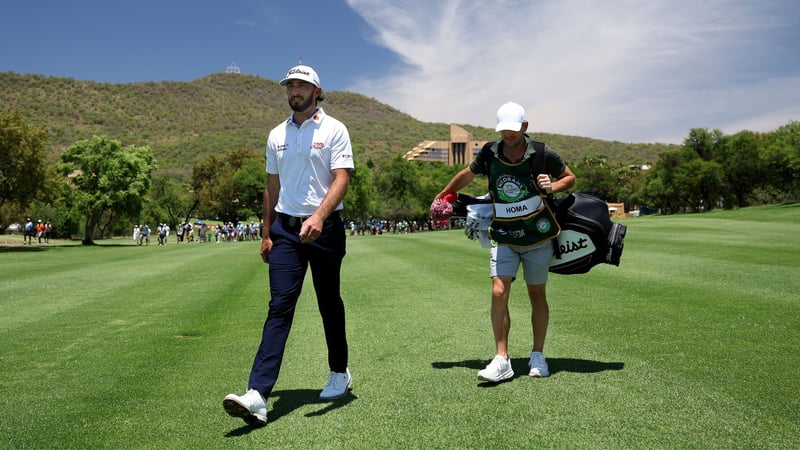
{"x":522,"y":217}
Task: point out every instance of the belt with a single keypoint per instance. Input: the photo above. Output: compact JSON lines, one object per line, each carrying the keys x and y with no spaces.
{"x":292,"y":221}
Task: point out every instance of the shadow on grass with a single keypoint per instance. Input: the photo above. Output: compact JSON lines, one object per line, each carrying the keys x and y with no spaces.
{"x":520,"y":366}
{"x":281,"y":403}
{"x":577,"y":365}
{"x":15,"y":248}
{"x":18,"y":246}
{"x":21,"y":248}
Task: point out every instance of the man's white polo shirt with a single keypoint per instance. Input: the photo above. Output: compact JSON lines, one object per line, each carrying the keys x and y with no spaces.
{"x":304,"y":156}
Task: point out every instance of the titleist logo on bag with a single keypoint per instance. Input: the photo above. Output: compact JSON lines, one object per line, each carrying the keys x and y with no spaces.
{"x":588,"y":236}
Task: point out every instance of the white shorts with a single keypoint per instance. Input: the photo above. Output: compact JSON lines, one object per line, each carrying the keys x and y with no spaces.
{"x":505,"y":261}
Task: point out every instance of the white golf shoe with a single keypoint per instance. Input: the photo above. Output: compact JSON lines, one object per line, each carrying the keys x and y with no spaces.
{"x":250,"y":407}
{"x":338,"y":385}
{"x":538,"y":365}
{"x":497,"y":370}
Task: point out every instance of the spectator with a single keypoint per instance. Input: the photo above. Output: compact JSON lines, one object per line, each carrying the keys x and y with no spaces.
{"x":145,"y":235}
{"x":30,"y":230}
{"x":39,"y":231}
{"x":179,"y":230}
{"x":48,"y":229}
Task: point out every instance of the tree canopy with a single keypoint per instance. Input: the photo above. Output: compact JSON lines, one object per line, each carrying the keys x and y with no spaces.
{"x":23,"y":147}
{"x":108,"y":180}
{"x":713,"y":170}
{"x":230,"y":186}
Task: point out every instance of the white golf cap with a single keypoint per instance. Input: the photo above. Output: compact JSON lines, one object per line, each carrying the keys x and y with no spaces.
{"x":510,"y":117}
{"x":303,"y":73}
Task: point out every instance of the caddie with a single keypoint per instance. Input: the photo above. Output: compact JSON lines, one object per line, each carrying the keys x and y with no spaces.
{"x":521,"y":230}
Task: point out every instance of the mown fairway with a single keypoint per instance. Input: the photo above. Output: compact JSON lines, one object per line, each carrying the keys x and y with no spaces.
{"x":692,"y":342}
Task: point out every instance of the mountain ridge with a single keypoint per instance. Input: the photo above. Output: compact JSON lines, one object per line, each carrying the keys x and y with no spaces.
{"x":183,"y":121}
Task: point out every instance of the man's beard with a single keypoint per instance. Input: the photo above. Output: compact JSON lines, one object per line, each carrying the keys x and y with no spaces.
{"x":302,"y":106}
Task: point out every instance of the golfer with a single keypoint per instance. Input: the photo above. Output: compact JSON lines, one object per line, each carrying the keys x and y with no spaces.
{"x":309,"y":160}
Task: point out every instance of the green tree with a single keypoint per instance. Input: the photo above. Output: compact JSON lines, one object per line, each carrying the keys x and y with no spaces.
{"x":780,"y":157}
{"x":230,"y":187}
{"x":632,"y":187}
{"x":702,"y":182}
{"x":690,"y":177}
{"x":22,"y":159}
{"x":359,"y":204}
{"x":663,"y":188}
{"x":170,"y":201}
{"x":248,"y":187}
{"x":742,"y":167}
{"x":434,"y":176}
{"x":108,"y":179}
{"x":204,"y":174}
{"x":700,"y":174}
{"x":397,"y":185}
{"x":597,"y":176}
{"x":706,"y":144}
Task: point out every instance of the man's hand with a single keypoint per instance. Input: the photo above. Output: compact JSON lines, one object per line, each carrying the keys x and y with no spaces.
{"x":545,"y":183}
{"x":310,"y":230}
{"x":266,"y":247}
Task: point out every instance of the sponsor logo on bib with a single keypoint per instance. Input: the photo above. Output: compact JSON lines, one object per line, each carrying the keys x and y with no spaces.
{"x":543,"y":225}
{"x":510,"y":189}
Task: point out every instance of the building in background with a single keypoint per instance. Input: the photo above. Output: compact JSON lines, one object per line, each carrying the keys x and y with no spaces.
{"x":459,"y":150}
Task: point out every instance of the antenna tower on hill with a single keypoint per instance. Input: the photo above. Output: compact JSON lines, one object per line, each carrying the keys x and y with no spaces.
{"x":233,"y":68}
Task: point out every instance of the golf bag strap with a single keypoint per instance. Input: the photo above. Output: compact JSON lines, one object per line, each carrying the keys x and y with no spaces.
{"x":537,"y":162}
{"x":538,"y":166}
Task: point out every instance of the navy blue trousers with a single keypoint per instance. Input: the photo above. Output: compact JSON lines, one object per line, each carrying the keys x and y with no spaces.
{"x":288,"y":262}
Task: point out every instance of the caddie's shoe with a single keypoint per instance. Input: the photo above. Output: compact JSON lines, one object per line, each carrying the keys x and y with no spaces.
{"x":538,"y":365}
{"x":497,"y":370}
{"x":250,"y":407}
{"x":338,"y":385}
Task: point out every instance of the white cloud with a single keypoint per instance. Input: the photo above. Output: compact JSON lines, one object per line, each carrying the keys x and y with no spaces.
{"x":619,"y":70}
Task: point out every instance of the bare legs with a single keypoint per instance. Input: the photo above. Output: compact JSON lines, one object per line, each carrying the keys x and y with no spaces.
{"x":501,"y":319}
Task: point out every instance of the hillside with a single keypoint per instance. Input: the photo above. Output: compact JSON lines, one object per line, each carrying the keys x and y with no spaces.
{"x":184,"y":121}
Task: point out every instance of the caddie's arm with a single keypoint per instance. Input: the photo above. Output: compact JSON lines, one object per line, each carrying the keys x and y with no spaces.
{"x":460,"y":181}
{"x":560,"y":184}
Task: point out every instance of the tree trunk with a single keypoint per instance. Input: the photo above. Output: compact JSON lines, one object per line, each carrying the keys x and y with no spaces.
{"x":191,"y":210}
{"x":88,"y":237}
{"x":106,"y":226}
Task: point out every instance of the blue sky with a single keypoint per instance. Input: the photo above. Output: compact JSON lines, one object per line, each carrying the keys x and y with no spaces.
{"x":625,"y":70}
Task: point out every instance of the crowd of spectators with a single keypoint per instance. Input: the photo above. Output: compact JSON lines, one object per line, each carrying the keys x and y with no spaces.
{"x":40,"y":230}
{"x":198,"y":232}
{"x":378,"y":227}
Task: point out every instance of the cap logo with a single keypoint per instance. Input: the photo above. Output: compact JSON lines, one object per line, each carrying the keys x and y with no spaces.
{"x":300,"y":71}
{"x":303,"y":73}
